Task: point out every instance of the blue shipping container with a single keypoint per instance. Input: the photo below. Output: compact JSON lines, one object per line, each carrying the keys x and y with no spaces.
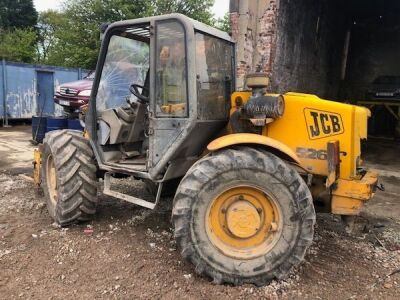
{"x":27,"y":90}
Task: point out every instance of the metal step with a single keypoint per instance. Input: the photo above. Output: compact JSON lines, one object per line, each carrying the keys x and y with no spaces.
{"x":107,"y":191}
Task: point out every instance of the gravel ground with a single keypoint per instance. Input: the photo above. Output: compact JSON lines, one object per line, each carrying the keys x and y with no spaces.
{"x":128,"y":252}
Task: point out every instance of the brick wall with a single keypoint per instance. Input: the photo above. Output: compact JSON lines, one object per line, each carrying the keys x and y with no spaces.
{"x":253,"y":27}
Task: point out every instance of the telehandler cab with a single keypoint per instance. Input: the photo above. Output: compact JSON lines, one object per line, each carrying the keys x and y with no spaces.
{"x":250,"y":165}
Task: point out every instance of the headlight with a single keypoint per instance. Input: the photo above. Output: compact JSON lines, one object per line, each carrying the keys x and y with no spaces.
{"x":85,"y":93}
{"x":58,"y":89}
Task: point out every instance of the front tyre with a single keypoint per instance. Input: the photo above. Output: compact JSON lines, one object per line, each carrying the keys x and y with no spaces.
{"x":243,"y":216}
{"x":69,"y":177}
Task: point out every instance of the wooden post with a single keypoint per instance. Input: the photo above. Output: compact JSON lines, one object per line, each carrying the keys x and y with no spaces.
{"x":345,"y":55}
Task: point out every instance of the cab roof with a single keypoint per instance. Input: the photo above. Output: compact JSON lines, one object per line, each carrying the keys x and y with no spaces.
{"x":188,"y":22}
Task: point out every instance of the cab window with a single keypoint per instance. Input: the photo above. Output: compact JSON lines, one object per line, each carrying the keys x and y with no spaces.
{"x":215,"y":76}
{"x":171,"y":85}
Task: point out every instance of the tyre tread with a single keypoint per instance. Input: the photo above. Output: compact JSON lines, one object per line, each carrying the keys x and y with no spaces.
{"x":242,"y":158}
{"x":76,"y":171}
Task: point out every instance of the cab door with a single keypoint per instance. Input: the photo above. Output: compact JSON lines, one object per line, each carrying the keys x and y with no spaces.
{"x":169,"y":111}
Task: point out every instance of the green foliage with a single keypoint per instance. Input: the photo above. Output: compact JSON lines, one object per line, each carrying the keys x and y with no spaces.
{"x":76,"y":40}
{"x":72,"y":37}
{"x":18,"y":45}
{"x":17,"y":30}
{"x":50,"y":24}
{"x":223,"y":24}
{"x":17,"y":14}
{"x":196,"y":9}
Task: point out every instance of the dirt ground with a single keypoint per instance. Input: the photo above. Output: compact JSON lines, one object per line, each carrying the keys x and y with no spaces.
{"x":128,"y":252}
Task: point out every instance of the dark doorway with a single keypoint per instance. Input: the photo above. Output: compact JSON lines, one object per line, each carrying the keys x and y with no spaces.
{"x":337,"y":49}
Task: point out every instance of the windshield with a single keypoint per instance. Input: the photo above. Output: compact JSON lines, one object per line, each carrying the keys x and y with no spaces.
{"x":127,"y":62}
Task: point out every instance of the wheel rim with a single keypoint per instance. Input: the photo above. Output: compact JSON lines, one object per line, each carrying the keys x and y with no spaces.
{"x":51,"y":179}
{"x":244,"y":222}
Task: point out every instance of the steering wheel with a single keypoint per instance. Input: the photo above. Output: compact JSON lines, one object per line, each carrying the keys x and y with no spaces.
{"x":134,"y":89}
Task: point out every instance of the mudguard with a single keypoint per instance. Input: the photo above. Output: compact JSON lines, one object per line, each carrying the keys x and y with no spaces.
{"x":279,"y":148}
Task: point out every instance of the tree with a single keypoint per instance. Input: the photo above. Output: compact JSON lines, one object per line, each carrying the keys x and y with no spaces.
{"x":18,"y":45}
{"x":50,"y":24}
{"x":17,"y":30}
{"x":17,"y":14}
{"x":77,"y":36}
{"x":71,"y":38}
{"x":199,"y":10}
{"x":223,"y":23}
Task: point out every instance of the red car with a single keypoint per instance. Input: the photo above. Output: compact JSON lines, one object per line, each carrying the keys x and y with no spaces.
{"x":72,"y":95}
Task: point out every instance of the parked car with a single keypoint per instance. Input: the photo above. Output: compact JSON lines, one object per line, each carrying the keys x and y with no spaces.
{"x":72,"y":95}
{"x":384,"y":88}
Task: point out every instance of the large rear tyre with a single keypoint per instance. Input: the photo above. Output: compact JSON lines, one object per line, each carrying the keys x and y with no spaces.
{"x":69,"y":177}
{"x":243,"y":216}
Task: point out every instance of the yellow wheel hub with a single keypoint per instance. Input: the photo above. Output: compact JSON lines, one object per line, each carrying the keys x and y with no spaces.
{"x":243,"y":219}
{"x":51,"y":178}
{"x":243,"y":222}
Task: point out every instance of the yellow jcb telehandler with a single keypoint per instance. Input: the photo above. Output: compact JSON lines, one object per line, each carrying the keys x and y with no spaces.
{"x":249,"y":166}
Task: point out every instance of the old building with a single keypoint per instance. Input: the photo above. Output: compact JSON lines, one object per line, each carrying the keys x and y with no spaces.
{"x":332,"y":48}
{"x":318,"y":46}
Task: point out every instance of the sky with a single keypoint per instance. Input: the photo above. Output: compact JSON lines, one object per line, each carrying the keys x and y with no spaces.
{"x":220,"y":7}
{"x":46,"y":4}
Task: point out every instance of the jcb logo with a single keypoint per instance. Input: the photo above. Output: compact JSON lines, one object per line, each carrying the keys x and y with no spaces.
{"x":322,"y":124}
